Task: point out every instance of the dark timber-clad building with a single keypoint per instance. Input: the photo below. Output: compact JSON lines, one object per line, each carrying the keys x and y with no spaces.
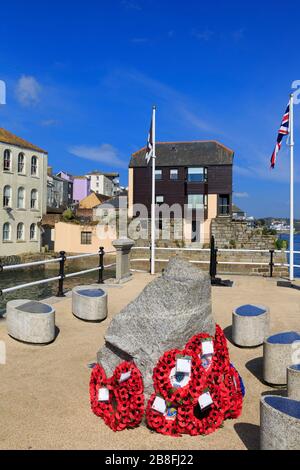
{"x":196,"y":174}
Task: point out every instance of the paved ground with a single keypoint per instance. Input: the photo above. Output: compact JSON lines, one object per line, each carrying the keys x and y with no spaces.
{"x":44,"y":399}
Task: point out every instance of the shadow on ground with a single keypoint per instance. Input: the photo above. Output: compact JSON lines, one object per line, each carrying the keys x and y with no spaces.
{"x":228,"y":334}
{"x":282,"y":392}
{"x":255,"y":366}
{"x":249,"y":434}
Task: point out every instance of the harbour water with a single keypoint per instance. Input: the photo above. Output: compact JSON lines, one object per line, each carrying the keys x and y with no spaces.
{"x":285,"y":236}
{"x":13,"y":278}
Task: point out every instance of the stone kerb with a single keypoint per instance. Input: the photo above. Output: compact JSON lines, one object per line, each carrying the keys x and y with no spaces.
{"x":250,"y":325}
{"x":89,"y":303}
{"x":279,"y":423}
{"x":30,"y":321}
{"x":277,"y":356}
{"x":293,"y":381}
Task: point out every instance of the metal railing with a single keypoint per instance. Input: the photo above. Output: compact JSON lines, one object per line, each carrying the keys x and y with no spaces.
{"x":213,"y":262}
{"x":61,"y":259}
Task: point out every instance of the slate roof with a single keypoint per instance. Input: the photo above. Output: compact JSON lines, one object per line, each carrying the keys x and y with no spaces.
{"x":114,"y":201}
{"x":10,"y":138}
{"x":236,"y":209}
{"x":108,"y":174}
{"x":92,"y":200}
{"x":191,"y":153}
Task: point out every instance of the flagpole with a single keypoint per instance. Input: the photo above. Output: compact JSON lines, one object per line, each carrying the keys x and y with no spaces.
{"x":153,"y":196}
{"x":291,"y":248}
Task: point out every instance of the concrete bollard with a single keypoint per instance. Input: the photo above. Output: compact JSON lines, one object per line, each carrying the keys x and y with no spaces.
{"x":123,"y":247}
{"x":278,"y":353}
{"x":89,"y":303}
{"x":30,"y":321}
{"x":293,"y":381}
{"x":279,"y":423}
{"x":250,"y":325}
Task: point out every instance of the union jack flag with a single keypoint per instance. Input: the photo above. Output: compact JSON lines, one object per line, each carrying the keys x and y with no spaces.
{"x":284,"y":130}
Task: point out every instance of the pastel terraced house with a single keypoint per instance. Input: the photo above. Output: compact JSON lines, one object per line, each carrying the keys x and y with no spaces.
{"x":23,"y":194}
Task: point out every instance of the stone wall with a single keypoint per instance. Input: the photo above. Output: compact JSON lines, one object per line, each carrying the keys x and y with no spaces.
{"x":236,"y":234}
{"x":201,"y":259}
{"x":228,"y":234}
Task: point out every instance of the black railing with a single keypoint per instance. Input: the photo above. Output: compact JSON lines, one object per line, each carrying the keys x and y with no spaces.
{"x":61,"y":259}
{"x":214,"y":260}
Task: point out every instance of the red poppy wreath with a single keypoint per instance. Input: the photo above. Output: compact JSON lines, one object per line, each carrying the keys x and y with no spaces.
{"x":163,"y":421}
{"x":176,"y":386}
{"x":118,"y":400}
{"x":206,"y":416}
{"x":232,"y":382}
{"x":212,"y":351}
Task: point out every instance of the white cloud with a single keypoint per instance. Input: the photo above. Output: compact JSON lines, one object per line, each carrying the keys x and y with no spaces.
{"x":262,"y":171}
{"x":205,"y":35}
{"x":139,"y":40}
{"x":28,"y":91}
{"x":49,"y":122}
{"x":238,"y":34}
{"x":105,"y":153}
{"x":131,"y":4}
{"x":241,"y":195}
{"x":178,"y":103}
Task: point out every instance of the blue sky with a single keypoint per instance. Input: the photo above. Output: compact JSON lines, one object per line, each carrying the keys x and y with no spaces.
{"x":82,"y":77}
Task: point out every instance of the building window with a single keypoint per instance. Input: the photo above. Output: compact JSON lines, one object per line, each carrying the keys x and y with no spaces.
{"x":6,"y":234}
{"x":158,"y":174}
{"x":197,"y":201}
{"x":20,"y":231}
{"x":34,"y":166}
{"x":21,"y":163}
{"x":197,"y":175}
{"x":174,"y":174}
{"x":34,"y":199}
{"x":224,"y":204}
{"x":7,"y":196}
{"x":86,"y":238}
{"x":33,"y":232}
{"x":21,"y":198}
{"x":7,"y":160}
{"x":159,"y":199}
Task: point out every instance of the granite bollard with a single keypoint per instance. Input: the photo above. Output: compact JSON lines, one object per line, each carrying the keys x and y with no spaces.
{"x":30,"y":321}
{"x":89,"y":303}
{"x":250,"y":325}
{"x":167,"y":313}
{"x":293,"y":381}
{"x":279,"y":423}
{"x":277,"y":356}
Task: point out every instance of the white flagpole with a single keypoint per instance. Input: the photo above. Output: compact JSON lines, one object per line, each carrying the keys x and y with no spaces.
{"x":291,"y":187}
{"x":153,"y":196}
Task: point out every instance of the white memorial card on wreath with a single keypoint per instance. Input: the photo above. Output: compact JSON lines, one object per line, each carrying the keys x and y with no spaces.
{"x":205,"y":400}
{"x":103,"y":394}
{"x":207,"y":347}
{"x":125,"y":376}
{"x":159,"y":405}
{"x":184,"y":365}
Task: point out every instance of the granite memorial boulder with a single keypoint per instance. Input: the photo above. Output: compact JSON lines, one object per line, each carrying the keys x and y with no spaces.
{"x":167,"y":313}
